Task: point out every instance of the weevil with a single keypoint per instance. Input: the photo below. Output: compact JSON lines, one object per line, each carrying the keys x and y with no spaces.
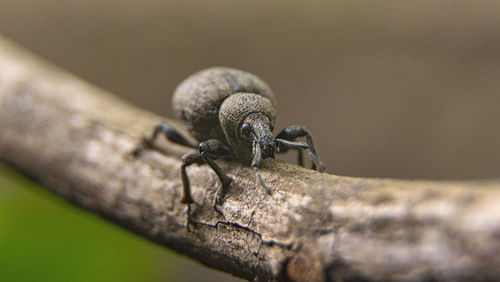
{"x":231,"y":113}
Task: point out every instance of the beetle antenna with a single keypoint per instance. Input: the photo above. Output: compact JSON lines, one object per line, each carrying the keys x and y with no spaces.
{"x":257,"y":157}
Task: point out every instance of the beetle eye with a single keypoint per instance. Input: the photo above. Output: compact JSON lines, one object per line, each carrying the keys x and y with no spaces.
{"x":271,"y":125}
{"x":245,"y":129}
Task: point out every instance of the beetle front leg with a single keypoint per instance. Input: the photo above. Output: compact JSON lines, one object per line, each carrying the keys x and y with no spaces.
{"x":210,"y":150}
{"x":286,"y":139}
{"x":187,"y":160}
{"x":206,"y":153}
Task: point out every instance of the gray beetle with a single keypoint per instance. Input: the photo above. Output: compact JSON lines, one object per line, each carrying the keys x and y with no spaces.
{"x":231,"y":113}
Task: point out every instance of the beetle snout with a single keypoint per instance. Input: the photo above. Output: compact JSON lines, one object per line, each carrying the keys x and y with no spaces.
{"x":268,"y":147}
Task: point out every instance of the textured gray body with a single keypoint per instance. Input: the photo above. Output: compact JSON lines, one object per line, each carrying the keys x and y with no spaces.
{"x":198,"y":99}
{"x":233,"y":111}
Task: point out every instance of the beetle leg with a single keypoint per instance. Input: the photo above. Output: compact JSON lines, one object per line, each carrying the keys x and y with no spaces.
{"x":286,"y":139}
{"x":206,"y":153}
{"x":169,"y":132}
{"x":210,"y":150}
{"x":187,"y":160}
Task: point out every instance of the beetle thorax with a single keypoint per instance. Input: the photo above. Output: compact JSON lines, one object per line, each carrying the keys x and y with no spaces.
{"x":235,"y":110}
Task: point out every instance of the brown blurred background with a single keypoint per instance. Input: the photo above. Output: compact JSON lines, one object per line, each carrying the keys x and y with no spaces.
{"x":389,"y":89}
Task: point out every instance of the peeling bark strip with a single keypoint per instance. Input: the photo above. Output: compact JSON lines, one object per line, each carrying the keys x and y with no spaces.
{"x":75,"y":139}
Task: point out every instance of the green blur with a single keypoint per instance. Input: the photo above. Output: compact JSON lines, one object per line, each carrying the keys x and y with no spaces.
{"x":43,"y":238}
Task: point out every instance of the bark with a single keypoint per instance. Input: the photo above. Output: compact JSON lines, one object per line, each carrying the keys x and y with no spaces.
{"x":76,"y":140}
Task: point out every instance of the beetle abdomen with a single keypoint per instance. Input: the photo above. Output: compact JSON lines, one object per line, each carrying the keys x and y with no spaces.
{"x":197,"y":100}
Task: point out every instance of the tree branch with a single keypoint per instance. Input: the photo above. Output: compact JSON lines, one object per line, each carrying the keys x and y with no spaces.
{"x":75,"y":139}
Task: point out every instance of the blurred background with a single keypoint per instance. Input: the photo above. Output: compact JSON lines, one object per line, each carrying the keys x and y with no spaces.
{"x":400,"y":89}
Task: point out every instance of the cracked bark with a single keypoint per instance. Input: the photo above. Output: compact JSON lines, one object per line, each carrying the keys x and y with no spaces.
{"x":75,"y":139}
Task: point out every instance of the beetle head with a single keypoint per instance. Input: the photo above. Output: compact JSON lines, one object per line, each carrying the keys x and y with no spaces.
{"x":247,"y":118}
{"x":258,"y":128}
{"x":247,"y":121}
